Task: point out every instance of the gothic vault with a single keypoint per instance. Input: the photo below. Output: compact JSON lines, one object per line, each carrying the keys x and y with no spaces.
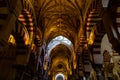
{"x":59,"y":39}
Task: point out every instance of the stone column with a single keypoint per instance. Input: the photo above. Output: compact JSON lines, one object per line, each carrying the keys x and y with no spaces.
{"x":80,"y":66}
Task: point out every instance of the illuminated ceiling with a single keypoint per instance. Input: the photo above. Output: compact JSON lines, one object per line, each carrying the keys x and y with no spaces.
{"x":60,"y":59}
{"x":61,"y":18}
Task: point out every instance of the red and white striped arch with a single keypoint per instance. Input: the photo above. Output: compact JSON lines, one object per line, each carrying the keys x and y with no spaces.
{"x":118,"y":18}
{"x":92,"y":19}
{"x":26,"y":18}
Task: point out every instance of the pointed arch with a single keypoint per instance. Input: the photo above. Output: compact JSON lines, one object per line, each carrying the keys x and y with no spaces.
{"x":59,"y":40}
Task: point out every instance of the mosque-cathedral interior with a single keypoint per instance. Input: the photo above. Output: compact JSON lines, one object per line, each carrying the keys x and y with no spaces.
{"x":59,"y":39}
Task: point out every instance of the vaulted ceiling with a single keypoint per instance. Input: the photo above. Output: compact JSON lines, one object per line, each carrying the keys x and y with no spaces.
{"x":60,"y":58}
{"x":61,"y":17}
{"x":65,"y":24}
{"x":57,"y":18}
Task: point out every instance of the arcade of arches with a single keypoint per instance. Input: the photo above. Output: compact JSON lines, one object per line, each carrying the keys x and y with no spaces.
{"x":59,"y":40}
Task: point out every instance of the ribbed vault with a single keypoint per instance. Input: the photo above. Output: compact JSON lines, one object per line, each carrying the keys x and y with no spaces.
{"x":60,"y":17}
{"x":60,"y":58}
